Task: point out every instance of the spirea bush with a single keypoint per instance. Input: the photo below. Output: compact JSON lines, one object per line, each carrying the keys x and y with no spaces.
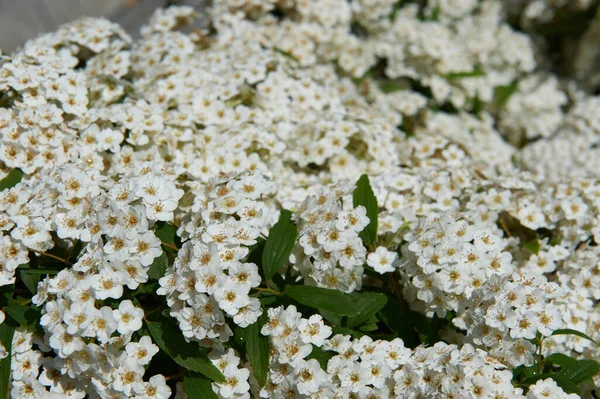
{"x":299,"y":199}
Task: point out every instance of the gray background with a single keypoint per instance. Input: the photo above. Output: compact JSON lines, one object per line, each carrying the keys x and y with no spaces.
{"x":24,"y":19}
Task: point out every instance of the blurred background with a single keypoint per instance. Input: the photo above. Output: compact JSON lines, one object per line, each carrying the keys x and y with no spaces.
{"x":566,"y":32}
{"x":21,"y":20}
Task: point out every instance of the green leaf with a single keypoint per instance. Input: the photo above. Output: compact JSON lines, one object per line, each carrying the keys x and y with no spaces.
{"x":187,"y":354}
{"x":279,"y":245}
{"x":158,"y":267}
{"x":322,"y":298}
{"x":369,"y":327}
{"x":363,"y":195}
{"x":560,"y":359}
{"x":321,"y":355}
{"x":502,"y":93}
{"x":566,"y":384}
{"x":257,"y":348}
{"x":561,"y":381}
{"x":333,"y":318}
{"x":580,"y":371}
{"x":475,"y":73}
{"x":568,"y":331}
{"x":532,"y":246}
{"x":11,"y":180}
{"x":390,"y":86}
{"x":26,"y":316}
{"x":6,"y":336}
{"x":29,"y":279}
{"x":367,"y":305}
{"x":166,"y":233}
{"x":198,"y":387}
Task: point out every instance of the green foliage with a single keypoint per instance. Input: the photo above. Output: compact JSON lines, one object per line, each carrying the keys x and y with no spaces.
{"x":322,"y":298}
{"x":6,"y":336}
{"x":25,"y":315}
{"x":367,"y":304}
{"x":158,"y":267}
{"x":503,"y":93}
{"x":475,"y":73}
{"x":279,"y":245}
{"x":568,"y":331}
{"x":167,"y":233}
{"x":11,"y":180}
{"x":198,"y":387}
{"x":187,"y":354}
{"x":363,"y":195}
{"x":257,"y":348}
{"x":567,"y":372}
{"x":321,"y":355}
{"x":532,"y":246}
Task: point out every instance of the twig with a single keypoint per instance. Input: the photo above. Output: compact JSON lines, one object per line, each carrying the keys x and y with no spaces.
{"x":166,"y":244}
{"x":51,"y":256}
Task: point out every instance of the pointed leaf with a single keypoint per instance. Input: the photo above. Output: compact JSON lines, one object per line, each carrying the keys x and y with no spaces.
{"x":568,"y":331}
{"x":363,"y":195}
{"x":367,"y":305}
{"x":323,"y":298}
{"x":187,"y":354}
{"x":279,"y":245}
{"x":580,"y":371}
{"x":560,"y":359}
{"x":158,"y":268}
{"x":167,"y":233}
{"x":257,"y":348}
{"x":6,"y":336}
{"x":198,"y":387}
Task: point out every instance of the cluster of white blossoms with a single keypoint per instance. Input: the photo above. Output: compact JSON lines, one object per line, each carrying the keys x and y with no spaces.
{"x":484,"y":165}
{"x":379,"y":369}
{"x":329,"y":252}
{"x":210,"y":276}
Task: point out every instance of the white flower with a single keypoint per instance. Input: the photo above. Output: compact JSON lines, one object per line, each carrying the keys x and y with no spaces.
{"x":142,"y":351}
{"x":128,"y":317}
{"x":313,"y":330}
{"x":382,"y":260}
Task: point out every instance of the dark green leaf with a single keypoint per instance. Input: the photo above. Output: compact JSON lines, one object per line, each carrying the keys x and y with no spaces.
{"x":580,"y":371}
{"x":187,"y":354}
{"x":560,"y":359}
{"x":561,"y":381}
{"x":333,"y":318}
{"x":369,"y":327}
{"x":198,"y":387}
{"x":323,"y":298}
{"x":363,"y":195}
{"x":568,"y":331}
{"x":321,"y":355}
{"x":257,"y":348}
{"x":166,"y":233}
{"x":566,"y":384}
{"x":29,"y":279}
{"x":279,"y":245}
{"x":158,"y":267}
{"x":367,"y":305}
{"x":11,"y":180}
{"x":6,"y":336}
{"x":502,"y":93}
{"x":26,"y":316}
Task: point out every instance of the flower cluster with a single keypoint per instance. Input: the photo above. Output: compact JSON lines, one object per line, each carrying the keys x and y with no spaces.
{"x":211,"y":275}
{"x":142,"y":180}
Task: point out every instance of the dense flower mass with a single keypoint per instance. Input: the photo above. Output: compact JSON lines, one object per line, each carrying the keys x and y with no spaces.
{"x":300,"y":199}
